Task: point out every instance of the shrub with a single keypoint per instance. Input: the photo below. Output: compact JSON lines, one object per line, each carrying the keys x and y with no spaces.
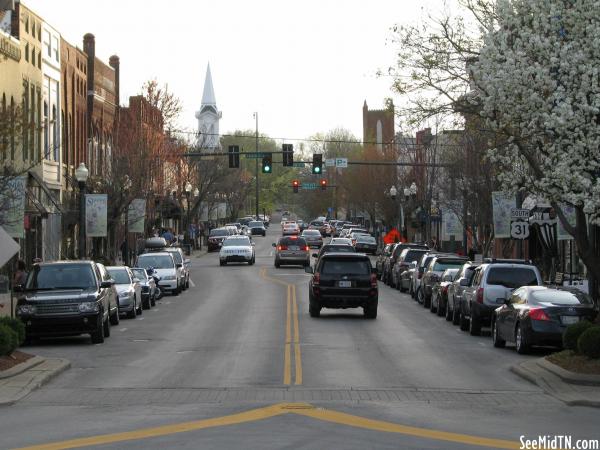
{"x":17,"y":326}
{"x":572,"y":334}
{"x":8,"y":340}
{"x":589,"y":342}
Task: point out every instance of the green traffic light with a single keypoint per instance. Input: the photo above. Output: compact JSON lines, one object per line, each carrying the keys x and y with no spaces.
{"x":267,"y":168}
{"x":317,"y":169}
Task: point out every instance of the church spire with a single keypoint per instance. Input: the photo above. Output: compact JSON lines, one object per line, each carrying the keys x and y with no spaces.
{"x":208,"y":96}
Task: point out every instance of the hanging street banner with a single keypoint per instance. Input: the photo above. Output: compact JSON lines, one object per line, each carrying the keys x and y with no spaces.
{"x":96,"y":206}
{"x":12,"y":205}
{"x":136,"y":215}
{"x":569,"y":212}
{"x":502,"y":204}
{"x":451,"y":225}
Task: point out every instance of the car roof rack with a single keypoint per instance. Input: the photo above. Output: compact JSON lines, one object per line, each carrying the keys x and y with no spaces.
{"x":507,"y":261}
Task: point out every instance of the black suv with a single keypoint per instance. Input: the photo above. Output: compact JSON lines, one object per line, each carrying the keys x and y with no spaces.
{"x":343,"y":280}
{"x":433,"y":273}
{"x":68,"y":298}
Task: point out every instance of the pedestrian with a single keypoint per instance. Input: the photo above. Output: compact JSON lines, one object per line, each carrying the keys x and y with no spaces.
{"x":471,"y":254}
{"x":20,"y":275}
{"x":168,"y":236}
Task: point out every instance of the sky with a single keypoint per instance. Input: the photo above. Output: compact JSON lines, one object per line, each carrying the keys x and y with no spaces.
{"x":305,"y":67}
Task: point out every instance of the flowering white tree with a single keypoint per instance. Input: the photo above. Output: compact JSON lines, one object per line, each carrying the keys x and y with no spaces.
{"x":537,"y":81}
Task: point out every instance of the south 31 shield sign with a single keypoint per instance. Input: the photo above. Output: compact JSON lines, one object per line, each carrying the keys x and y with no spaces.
{"x":519,"y":223}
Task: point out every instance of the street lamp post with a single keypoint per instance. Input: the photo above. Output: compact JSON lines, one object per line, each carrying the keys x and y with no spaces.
{"x":126,"y":187}
{"x":81,"y":175}
{"x":199,"y":236}
{"x":188,"y":193}
{"x":393,"y":194}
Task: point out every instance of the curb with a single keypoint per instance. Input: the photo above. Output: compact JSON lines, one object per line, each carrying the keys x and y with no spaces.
{"x":568,"y":376}
{"x":20,"y":368}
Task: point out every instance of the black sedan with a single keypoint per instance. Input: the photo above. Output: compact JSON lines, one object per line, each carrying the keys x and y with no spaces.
{"x":257,"y":227}
{"x":538,"y":315}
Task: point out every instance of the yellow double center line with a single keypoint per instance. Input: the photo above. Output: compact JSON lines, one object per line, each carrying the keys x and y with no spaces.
{"x":292,"y":333}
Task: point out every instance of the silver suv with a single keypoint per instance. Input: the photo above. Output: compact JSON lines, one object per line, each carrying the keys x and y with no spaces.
{"x":492,"y":283}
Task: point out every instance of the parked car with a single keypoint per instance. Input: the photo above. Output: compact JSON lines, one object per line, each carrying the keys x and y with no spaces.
{"x":391,"y":260}
{"x":237,"y":249}
{"x":433,"y":274}
{"x":491,"y":285}
{"x":383,"y":256}
{"x":365,"y":243}
{"x":456,"y":289}
{"x":343,"y":280}
{"x":439,"y":296}
{"x":163,"y":265}
{"x":128,"y":290}
{"x":405,"y":257}
{"x":313,"y":238}
{"x":538,"y":315}
{"x":183,"y":267}
{"x":291,"y":250}
{"x":215,"y":238}
{"x":416,"y":291}
{"x":407,"y":276}
{"x":147,"y":286}
{"x":67,"y":298}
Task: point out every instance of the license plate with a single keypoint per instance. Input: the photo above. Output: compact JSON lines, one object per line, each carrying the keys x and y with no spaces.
{"x":345,"y":284}
{"x":568,"y":320}
{"x":294,"y":247}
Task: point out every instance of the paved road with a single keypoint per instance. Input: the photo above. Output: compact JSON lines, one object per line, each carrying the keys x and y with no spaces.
{"x":236,"y":362}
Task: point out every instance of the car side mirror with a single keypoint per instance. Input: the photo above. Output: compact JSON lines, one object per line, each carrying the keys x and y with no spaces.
{"x":106,"y":284}
{"x":464,"y":282}
{"x":308,"y":269}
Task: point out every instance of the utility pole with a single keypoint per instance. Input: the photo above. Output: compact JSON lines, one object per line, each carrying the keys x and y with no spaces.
{"x":256,"y":149}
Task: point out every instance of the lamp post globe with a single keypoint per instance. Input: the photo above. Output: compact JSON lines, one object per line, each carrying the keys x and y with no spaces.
{"x":196,"y":192}
{"x":393,"y":192}
{"x":81,"y":175}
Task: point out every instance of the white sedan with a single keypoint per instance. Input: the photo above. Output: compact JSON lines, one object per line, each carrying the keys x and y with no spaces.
{"x":237,"y":249}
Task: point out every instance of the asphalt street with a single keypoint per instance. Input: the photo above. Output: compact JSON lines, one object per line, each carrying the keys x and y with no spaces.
{"x":236,"y":362}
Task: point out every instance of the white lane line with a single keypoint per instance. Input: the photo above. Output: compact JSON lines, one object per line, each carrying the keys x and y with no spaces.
{"x":122,"y":329}
{"x":155,"y":309}
{"x":192,"y":284}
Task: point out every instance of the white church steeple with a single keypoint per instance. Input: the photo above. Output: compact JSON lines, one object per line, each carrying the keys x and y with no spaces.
{"x":208,"y":116}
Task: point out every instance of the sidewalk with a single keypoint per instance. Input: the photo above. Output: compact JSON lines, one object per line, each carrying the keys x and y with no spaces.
{"x":571,"y":388}
{"x":19,"y":381}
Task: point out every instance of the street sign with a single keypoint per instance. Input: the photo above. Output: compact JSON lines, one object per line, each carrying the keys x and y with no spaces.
{"x":309,"y":186}
{"x":8,"y":247}
{"x":299,"y":164}
{"x":519,"y":214}
{"x":255,"y":155}
{"x":519,"y":229}
{"x":330,"y":162}
{"x":341,"y":162}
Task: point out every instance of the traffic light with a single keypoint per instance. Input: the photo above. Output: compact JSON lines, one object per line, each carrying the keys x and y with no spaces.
{"x":234,"y":156}
{"x":267,"y":163}
{"x":323,"y":184}
{"x":295,"y":186}
{"x":288,"y":155}
{"x":317,"y":164}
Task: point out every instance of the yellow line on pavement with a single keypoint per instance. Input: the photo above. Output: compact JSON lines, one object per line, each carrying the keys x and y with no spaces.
{"x":298,"y":360}
{"x":287,"y":358}
{"x":264,"y":276}
{"x":248,"y":416}
{"x":378,"y":425}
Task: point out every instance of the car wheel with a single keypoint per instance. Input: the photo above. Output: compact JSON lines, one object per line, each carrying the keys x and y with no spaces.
{"x":370,"y":311}
{"x":98,"y":335}
{"x":277,"y":263}
{"x":177,"y":291}
{"x":106,"y":328}
{"x":114,"y":317}
{"x":251,"y":262}
{"x":401,"y":287}
{"x":419,"y":296}
{"x":448,"y":314}
{"x":314,"y":310}
{"x":496,"y":339}
{"x":153,"y":300}
{"x":521,"y":345}
{"x":433,"y":307}
{"x":455,"y":316}
{"x":441,"y":308}
{"x":222,"y":263}
{"x":426,"y":301}
{"x":187,"y":284}
{"x":463,"y":322}
{"x":159,"y":293}
{"x":139,"y":308}
{"x":146,"y":303}
{"x":131,"y":314}
{"x":474,"y":325}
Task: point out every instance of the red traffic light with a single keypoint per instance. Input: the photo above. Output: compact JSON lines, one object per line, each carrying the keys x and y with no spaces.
{"x":295,"y":185}
{"x":323,"y":184}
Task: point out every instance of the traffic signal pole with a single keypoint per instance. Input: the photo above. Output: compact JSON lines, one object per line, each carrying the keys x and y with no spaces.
{"x":256,"y":148}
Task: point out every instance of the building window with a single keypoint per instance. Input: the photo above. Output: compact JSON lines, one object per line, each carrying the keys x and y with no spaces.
{"x":55,"y":48}
{"x":33,"y":29}
{"x":47,"y":44}
{"x":39,"y":60}
{"x":27,"y":52}
{"x":25,"y":125}
{"x":46,"y":143}
{"x":33,"y":55}
{"x":32,"y":125}
{"x":27,"y":24}
{"x":39,"y":33}
{"x":12,"y":128}
{"x":4,"y":120}
{"x":55,"y":137}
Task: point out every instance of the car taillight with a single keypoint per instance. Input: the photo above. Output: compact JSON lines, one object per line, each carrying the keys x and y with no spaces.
{"x":479,"y":296}
{"x":445,"y":289}
{"x":281,"y":247}
{"x":306,"y":248}
{"x":316,"y":279}
{"x":538,"y":314}
{"x":373,"y":280}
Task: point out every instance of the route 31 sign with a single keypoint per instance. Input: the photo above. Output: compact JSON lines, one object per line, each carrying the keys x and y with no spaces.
{"x":519,"y":229}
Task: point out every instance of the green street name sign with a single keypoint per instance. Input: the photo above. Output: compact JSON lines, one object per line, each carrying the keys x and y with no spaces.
{"x":308,"y":186}
{"x":254,"y":155}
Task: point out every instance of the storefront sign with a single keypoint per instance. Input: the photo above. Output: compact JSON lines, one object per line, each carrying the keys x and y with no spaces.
{"x":96,"y":206}
{"x":136,"y":215}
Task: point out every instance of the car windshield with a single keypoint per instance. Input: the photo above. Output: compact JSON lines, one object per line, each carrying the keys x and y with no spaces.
{"x":177,"y":257}
{"x":256,"y":224}
{"x":292,"y":241}
{"x":440,"y":266}
{"x":311,"y":233}
{"x":365,"y":238}
{"x":512,"y":277}
{"x":119,"y":275}
{"x":140,"y":273}
{"x":559,"y":297}
{"x":412,"y":255}
{"x":219,"y":232}
{"x":155,"y":261}
{"x":338,"y":248}
{"x":61,"y":276}
{"x":244,"y":242}
{"x":345,"y":267}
